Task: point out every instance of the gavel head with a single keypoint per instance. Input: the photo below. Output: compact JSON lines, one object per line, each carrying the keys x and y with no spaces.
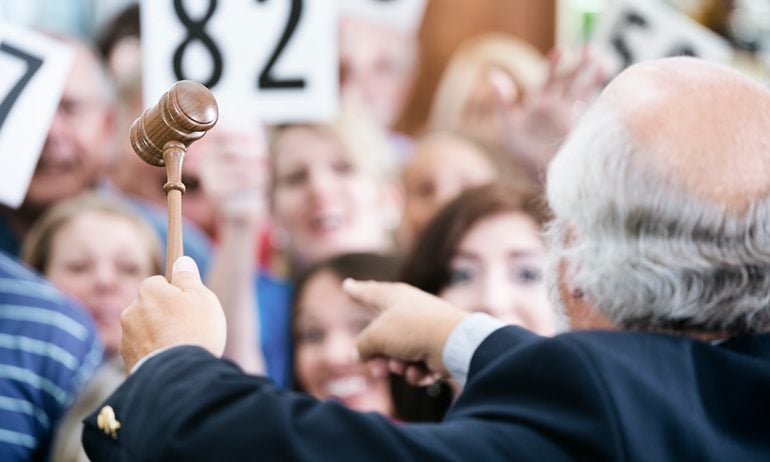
{"x":183,"y":114}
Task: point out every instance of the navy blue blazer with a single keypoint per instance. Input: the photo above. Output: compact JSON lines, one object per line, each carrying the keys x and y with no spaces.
{"x":593,"y":396}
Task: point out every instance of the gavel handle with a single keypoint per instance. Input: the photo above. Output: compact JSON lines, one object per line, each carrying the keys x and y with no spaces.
{"x":173,"y":156}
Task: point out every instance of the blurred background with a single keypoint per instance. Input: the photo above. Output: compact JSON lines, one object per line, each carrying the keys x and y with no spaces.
{"x":447,"y":23}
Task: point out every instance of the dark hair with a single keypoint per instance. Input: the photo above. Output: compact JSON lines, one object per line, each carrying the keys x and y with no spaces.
{"x":427,"y":267}
{"x":409,"y":402}
{"x":361,"y":266}
{"x":124,"y":24}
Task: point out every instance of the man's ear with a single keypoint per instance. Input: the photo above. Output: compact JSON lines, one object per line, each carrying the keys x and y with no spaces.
{"x":581,"y":311}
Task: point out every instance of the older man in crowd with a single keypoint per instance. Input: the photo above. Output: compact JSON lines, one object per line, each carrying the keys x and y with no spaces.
{"x":662,"y":204}
{"x":76,"y":156}
{"x":75,"y":151}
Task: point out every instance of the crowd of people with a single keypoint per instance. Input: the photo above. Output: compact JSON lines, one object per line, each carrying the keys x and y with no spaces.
{"x":541,"y":200}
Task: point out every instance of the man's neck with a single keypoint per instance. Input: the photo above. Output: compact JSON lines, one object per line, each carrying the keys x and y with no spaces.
{"x":704,"y":336}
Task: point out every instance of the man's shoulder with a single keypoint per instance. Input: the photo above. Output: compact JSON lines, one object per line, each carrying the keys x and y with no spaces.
{"x":24,"y":291}
{"x":591,"y":339}
{"x":610,"y":343}
{"x":627,"y":360}
{"x":628,"y":383}
{"x":51,"y":328}
{"x":49,"y":349}
{"x":611,"y":354}
{"x":628,"y":349}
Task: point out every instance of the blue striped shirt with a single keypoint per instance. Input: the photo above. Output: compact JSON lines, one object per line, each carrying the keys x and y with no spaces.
{"x":48,"y":349}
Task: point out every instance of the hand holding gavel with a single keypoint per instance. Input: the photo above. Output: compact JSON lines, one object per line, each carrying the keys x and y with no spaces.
{"x":161,"y":137}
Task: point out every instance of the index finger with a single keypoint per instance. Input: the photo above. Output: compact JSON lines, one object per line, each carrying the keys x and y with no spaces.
{"x":372,"y":294}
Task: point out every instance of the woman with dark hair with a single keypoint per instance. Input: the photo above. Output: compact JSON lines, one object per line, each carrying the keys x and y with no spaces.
{"x":486,"y":253}
{"x":325,"y":323}
{"x":483,"y":252}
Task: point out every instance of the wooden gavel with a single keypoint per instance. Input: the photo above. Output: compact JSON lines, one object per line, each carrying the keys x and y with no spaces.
{"x":161,"y":137}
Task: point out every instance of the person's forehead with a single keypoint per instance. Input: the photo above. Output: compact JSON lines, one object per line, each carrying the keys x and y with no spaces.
{"x":322,"y":298}
{"x":303,"y":143}
{"x":85,"y":78}
{"x":508,"y":229}
{"x":443,"y":149}
{"x":124,"y":234}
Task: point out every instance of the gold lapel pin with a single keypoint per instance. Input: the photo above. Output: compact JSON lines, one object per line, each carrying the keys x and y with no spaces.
{"x":107,"y":422}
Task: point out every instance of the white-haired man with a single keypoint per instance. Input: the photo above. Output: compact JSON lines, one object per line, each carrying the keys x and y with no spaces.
{"x":662,"y":203}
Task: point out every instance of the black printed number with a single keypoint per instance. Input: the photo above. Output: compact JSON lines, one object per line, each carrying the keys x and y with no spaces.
{"x":195,"y":31}
{"x":33,"y":65}
{"x":266,"y":78}
{"x":632,"y":18}
{"x":682,"y":49}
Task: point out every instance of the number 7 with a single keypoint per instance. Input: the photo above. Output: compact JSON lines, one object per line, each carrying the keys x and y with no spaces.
{"x":33,"y":65}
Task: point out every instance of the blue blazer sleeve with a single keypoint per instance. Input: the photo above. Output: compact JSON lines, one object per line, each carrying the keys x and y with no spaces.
{"x":187,"y":405}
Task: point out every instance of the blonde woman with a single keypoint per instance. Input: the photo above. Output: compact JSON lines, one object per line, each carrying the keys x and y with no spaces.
{"x":332,"y":190}
{"x":98,"y":251}
{"x":466,"y":100}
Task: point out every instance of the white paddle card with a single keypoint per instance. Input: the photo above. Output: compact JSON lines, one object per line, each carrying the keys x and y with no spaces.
{"x":640,"y":30}
{"x":33,"y":71}
{"x":272,"y":59}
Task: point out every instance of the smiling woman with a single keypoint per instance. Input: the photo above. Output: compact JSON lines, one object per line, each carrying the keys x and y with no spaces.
{"x":486,"y":254}
{"x":482,"y":252}
{"x":498,"y":269}
{"x":333,"y":189}
{"x":325,"y":324}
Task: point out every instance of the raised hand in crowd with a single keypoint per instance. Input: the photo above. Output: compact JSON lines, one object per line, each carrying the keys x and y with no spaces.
{"x":533,"y":129}
{"x":234,"y":176}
